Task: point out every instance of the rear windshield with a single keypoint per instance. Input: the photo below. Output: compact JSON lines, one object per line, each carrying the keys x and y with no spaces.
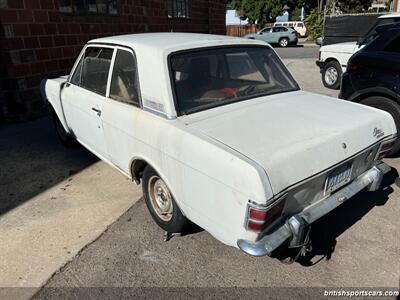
{"x":204,"y":79}
{"x":372,"y":33}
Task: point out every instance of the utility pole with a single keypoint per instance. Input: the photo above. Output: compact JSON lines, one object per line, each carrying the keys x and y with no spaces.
{"x":396,"y":6}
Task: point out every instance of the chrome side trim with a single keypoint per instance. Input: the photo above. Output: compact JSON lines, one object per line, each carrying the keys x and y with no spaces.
{"x":158,"y":113}
{"x":370,"y":179}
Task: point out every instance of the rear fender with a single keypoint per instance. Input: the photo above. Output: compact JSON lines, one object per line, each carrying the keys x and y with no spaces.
{"x":375,"y":91}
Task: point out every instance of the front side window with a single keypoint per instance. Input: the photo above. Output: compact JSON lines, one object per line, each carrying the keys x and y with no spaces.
{"x":124,"y":83}
{"x":204,"y":79}
{"x":179,"y":8}
{"x":92,"y":70}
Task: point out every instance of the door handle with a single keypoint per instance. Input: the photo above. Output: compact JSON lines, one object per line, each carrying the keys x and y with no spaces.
{"x":98,"y":111}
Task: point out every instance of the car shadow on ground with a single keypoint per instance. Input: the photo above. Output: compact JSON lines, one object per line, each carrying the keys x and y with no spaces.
{"x":33,"y":160}
{"x":326,"y":230}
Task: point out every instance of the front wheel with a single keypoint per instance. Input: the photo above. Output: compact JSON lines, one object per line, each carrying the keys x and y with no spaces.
{"x":332,"y":75}
{"x":161,"y":204}
{"x":66,"y":139}
{"x":283,"y":42}
{"x":392,"y":108}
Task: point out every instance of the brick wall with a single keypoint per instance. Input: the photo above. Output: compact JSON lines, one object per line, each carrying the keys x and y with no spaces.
{"x":37,"y":41}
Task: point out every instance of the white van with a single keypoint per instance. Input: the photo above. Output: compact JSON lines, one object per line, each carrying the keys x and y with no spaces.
{"x":300,"y":27}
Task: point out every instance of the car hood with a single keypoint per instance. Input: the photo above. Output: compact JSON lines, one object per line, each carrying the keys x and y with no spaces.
{"x":293,"y":135}
{"x":348,"y":47}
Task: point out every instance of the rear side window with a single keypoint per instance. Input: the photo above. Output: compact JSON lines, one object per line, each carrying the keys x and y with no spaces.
{"x":124,"y":83}
{"x":92,"y":70}
{"x":300,"y":25}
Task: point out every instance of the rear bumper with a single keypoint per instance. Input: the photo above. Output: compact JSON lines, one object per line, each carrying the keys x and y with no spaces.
{"x":293,"y":229}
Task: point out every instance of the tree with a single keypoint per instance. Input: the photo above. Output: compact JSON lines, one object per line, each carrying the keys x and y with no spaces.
{"x":263,"y":11}
{"x":353,"y":6}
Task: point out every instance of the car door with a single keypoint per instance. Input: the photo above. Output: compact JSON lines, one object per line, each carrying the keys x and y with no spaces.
{"x":121,"y":109}
{"x":83,"y":97}
{"x":275,"y":35}
{"x":268,"y":35}
{"x":263,"y":34}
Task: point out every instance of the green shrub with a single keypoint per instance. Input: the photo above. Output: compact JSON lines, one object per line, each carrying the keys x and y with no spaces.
{"x":314,"y":23}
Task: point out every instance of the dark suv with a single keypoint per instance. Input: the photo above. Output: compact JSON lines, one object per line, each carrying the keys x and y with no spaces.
{"x":373,"y":75}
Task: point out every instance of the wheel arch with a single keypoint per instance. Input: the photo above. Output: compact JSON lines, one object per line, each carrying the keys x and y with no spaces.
{"x":137,"y":167}
{"x":380,"y":92}
{"x":331,"y":59}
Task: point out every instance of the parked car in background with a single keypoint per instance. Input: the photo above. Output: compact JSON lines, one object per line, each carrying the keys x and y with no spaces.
{"x":333,"y":59}
{"x":373,"y":75}
{"x":277,"y":35}
{"x":299,"y":26}
{"x":219,"y":133}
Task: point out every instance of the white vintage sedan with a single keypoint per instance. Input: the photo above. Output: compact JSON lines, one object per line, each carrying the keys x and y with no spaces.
{"x":219,"y":134}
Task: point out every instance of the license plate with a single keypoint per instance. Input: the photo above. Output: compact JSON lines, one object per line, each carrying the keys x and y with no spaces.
{"x":338,"y":178}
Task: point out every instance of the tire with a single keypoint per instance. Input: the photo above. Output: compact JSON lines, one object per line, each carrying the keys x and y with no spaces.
{"x":66,"y":139}
{"x":162,"y":207}
{"x":332,"y":75}
{"x":283,"y":42}
{"x":391,"y":107}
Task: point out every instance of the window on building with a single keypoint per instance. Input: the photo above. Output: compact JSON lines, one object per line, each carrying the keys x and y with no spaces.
{"x":124,"y":83}
{"x":86,"y":7}
{"x":179,"y":8}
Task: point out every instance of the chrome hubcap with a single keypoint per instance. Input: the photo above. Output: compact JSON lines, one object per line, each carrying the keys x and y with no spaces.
{"x":331,"y":76}
{"x":284,"y":43}
{"x":161,"y":199}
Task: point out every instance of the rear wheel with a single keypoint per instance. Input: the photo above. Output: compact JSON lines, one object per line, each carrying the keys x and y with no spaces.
{"x":161,"y":204}
{"x":332,"y":75}
{"x":389,"y":106}
{"x":283,"y":42}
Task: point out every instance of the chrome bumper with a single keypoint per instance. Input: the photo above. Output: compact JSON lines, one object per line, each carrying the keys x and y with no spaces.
{"x":293,"y":229}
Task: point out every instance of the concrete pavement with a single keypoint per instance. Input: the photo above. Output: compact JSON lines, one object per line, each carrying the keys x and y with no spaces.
{"x":54,"y":201}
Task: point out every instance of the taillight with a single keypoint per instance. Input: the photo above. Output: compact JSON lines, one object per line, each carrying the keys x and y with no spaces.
{"x":385,"y":149}
{"x":351,"y":68}
{"x":259,"y":217}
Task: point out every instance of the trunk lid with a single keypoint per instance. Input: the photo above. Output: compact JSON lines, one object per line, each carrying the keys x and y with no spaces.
{"x":294,"y":135}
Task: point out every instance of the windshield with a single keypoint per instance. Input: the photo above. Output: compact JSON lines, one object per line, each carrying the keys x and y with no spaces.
{"x":204,"y":79}
{"x":371,"y":34}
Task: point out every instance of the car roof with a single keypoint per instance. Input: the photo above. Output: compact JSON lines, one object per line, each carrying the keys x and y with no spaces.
{"x":152,"y":51}
{"x":172,"y":41}
{"x":390,"y":16}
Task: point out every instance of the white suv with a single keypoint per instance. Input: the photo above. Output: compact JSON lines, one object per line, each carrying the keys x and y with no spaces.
{"x":333,"y":58}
